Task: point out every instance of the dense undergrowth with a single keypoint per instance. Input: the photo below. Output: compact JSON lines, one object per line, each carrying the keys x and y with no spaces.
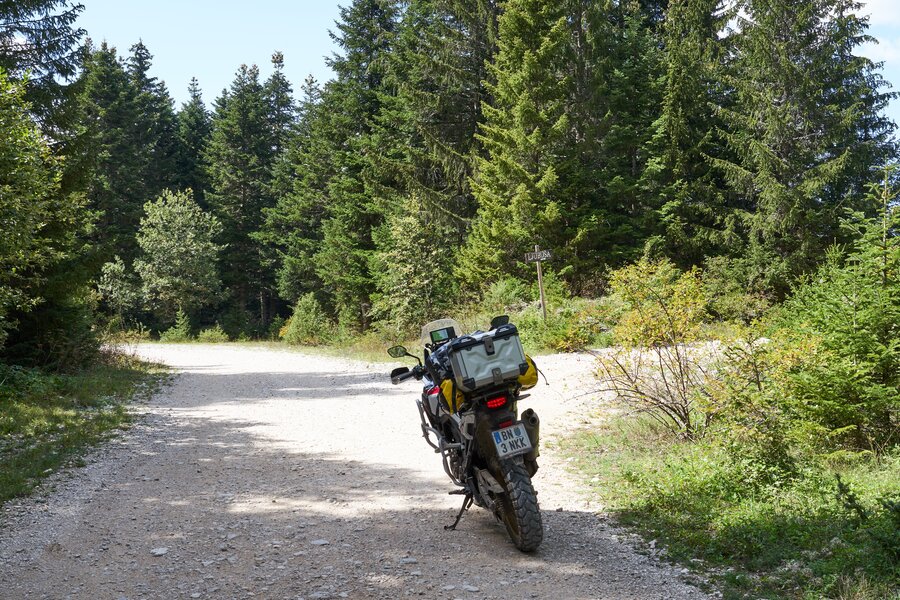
{"x":48,"y":420}
{"x":759,"y":531}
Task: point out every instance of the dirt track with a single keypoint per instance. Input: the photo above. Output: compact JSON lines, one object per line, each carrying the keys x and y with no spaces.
{"x":265,"y":473}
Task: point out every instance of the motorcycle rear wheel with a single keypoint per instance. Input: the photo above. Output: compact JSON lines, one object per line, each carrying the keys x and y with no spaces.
{"x":518,"y":507}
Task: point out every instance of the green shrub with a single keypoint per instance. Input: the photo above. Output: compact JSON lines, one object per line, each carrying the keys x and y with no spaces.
{"x":213,"y":335}
{"x":309,"y":325}
{"x":589,"y":326}
{"x":508,"y":294}
{"x":730,"y":296}
{"x":657,"y":370}
{"x":275,"y":327}
{"x":556,"y":291}
{"x":238,"y":322}
{"x":180,"y":332}
{"x":826,"y":384}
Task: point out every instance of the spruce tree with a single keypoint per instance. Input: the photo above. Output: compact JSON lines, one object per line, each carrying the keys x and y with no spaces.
{"x":194,"y":128}
{"x":282,"y":119}
{"x":573,"y":97}
{"x":626,"y":63}
{"x":437,"y":71}
{"x":282,"y":110}
{"x":156,"y":128}
{"x":695,"y":218}
{"x":239,"y":159}
{"x":39,"y":37}
{"x":294,"y":226}
{"x":517,"y":184}
{"x":351,"y":101}
{"x":805,"y":129}
{"x":111,"y":153}
{"x":423,"y":145}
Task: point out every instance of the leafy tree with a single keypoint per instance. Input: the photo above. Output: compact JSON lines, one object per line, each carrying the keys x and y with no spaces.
{"x":28,"y":197}
{"x":178,"y":264}
{"x":40,"y":244}
{"x":194,"y":128}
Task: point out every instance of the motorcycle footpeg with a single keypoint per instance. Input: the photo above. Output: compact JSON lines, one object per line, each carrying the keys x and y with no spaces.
{"x":459,"y":492}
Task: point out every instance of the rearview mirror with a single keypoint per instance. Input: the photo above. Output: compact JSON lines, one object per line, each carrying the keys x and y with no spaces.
{"x":397,"y":351}
{"x":499,"y":321}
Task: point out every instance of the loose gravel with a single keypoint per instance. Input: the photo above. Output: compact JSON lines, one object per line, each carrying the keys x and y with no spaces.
{"x":269,"y":473}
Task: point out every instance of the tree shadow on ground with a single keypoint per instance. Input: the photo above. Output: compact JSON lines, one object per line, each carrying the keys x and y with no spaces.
{"x":279,"y":505}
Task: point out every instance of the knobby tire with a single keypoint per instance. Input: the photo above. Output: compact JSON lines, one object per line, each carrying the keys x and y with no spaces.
{"x":519,"y":508}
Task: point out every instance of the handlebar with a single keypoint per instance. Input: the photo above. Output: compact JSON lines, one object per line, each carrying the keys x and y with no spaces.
{"x":416,"y":372}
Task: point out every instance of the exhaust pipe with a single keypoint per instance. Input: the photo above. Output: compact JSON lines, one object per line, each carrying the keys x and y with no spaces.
{"x":532,"y":425}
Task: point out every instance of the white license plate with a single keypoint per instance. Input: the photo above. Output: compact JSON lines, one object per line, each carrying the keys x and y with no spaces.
{"x":512,"y":441}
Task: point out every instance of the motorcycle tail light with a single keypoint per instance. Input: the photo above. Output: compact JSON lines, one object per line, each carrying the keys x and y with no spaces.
{"x":505,"y":424}
{"x":496,"y":402}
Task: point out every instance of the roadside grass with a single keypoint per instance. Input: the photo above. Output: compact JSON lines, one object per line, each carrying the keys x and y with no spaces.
{"x":48,"y":421}
{"x":758,"y":533}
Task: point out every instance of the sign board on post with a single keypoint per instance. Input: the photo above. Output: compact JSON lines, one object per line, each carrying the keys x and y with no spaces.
{"x":539,"y":256}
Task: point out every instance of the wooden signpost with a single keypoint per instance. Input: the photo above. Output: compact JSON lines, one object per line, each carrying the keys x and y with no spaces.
{"x":539,"y":256}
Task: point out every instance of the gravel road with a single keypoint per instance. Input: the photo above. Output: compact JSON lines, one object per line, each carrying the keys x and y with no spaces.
{"x":267,"y":473}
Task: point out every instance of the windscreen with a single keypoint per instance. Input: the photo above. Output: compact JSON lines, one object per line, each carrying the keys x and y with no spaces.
{"x":440,"y":331}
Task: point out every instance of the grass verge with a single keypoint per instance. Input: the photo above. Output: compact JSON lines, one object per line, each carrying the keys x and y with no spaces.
{"x":759,"y":533}
{"x":48,"y":420}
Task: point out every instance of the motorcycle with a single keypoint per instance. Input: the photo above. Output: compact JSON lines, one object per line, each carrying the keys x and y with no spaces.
{"x":469,"y":414}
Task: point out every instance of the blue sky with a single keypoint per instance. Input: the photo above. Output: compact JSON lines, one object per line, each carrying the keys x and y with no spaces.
{"x":210,"y":39}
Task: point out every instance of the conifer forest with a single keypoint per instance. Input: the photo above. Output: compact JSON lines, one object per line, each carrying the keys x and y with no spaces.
{"x":454,"y":136}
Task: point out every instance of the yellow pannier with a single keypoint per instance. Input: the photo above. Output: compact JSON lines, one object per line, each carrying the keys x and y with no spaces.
{"x":530,"y":378}
{"x":447,"y":392}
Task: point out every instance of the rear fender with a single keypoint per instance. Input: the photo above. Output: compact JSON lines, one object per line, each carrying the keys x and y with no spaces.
{"x":485,"y":424}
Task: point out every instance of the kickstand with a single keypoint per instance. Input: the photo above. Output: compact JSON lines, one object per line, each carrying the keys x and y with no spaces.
{"x":467,"y":502}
